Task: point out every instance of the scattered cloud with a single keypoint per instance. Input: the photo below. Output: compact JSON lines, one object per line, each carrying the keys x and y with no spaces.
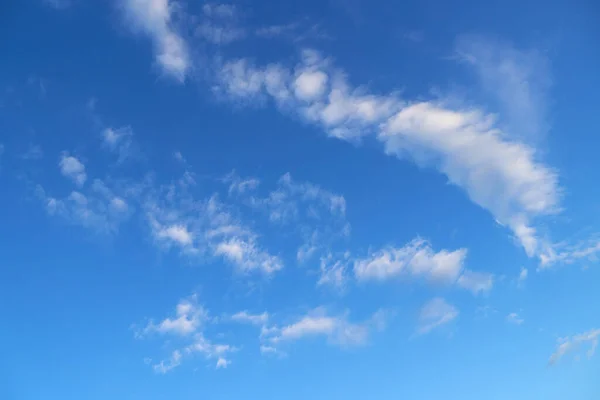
{"x":568,"y":254}
{"x":417,"y":258}
{"x":72,"y":168}
{"x":318,"y":323}
{"x":119,"y":141}
{"x":498,"y":172}
{"x":34,"y":152}
{"x":254,"y":319}
{"x":571,"y":344}
{"x":187,"y":323}
{"x":155,"y":18}
{"x":514,"y":318}
{"x":434,"y":314}
{"x":219,"y":24}
{"x":522,"y":276}
{"x":476,"y":282}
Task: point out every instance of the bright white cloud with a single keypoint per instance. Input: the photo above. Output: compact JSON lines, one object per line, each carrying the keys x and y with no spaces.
{"x":570,"y":344}
{"x":417,"y":258}
{"x":435,"y":313}
{"x":499,"y":175}
{"x":476,"y":282}
{"x":72,"y":168}
{"x":155,"y":18}
{"x":514,"y":318}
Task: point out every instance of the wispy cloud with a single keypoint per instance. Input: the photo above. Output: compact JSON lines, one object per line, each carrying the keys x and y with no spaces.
{"x":514,"y":318}
{"x":336,"y":328}
{"x":434,"y":314}
{"x":570,"y":344}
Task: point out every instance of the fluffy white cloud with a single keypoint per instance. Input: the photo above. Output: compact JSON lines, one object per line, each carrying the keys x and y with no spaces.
{"x":435,"y":313}
{"x":570,"y":344}
{"x":310,"y":85}
{"x":155,"y":18}
{"x":476,"y":282}
{"x":514,"y":318}
{"x":417,"y":258}
{"x":72,"y":168}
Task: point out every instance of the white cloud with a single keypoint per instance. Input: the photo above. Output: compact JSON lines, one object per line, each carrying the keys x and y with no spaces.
{"x":514,"y":318}
{"x":165,"y":366}
{"x":222,"y":363}
{"x":500,"y":174}
{"x":337,"y":329}
{"x":417,"y":258}
{"x":72,"y":168}
{"x":569,"y":254}
{"x":310,"y":85}
{"x":476,"y":282}
{"x":436,"y":313}
{"x":334,"y":271}
{"x":176,"y":233}
{"x":187,"y":324}
{"x":571,"y":344}
{"x":155,"y":18}
{"x":96,"y":207}
{"x":245,"y":254}
{"x":188,"y":319}
{"x":255,"y":319}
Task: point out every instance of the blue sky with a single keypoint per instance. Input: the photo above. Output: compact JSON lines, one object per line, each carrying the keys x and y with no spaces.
{"x":323,"y":199}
